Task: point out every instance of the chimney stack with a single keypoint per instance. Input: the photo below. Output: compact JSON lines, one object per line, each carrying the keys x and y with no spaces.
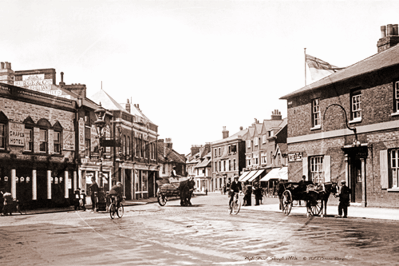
{"x":62,"y":83}
{"x":276,"y":115}
{"x":6,"y":73}
{"x":168,"y":143}
{"x":128,"y":109}
{"x":389,"y":37}
{"x":241,"y":128}
{"x":194,"y":149}
{"x":225,"y":132}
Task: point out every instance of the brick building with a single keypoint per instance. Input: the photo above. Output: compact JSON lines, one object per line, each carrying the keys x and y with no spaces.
{"x":345,"y":127}
{"x":37,"y":141}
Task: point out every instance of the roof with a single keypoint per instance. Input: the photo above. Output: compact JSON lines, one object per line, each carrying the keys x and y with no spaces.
{"x":384,"y":59}
{"x":282,"y":125}
{"x":206,"y":162}
{"x":235,"y":136}
{"x":170,"y":154}
{"x":270,"y":124}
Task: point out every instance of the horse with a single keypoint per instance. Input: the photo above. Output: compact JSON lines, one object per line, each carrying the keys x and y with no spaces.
{"x":186,"y":189}
{"x":323,"y":195}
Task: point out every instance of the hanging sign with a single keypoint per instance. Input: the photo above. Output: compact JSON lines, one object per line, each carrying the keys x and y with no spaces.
{"x":81,"y":134}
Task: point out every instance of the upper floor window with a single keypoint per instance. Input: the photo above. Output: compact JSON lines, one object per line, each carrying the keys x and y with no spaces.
{"x":28,"y":139}
{"x":215,"y":153}
{"x":234,"y":164}
{"x":229,"y":149}
{"x":2,"y":136}
{"x":270,"y":133}
{"x":248,"y":143}
{"x":57,"y":142}
{"x":234,"y":148}
{"x":394,"y":166}
{"x":263,"y":158}
{"x":264,"y":137}
{"x":220,"y":151}
{"x":256,"y":140}
{"x":396,"y":97}
{"x":128,"y":146}
{"x":87,"y":141}
{"x":315,"y":113}
{"x":43,"y":140}
{"x":316,"y":169}
{"x":356,"y":111}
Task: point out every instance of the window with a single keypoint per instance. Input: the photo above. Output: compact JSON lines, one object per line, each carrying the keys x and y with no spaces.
{"x":248,"y":144}
{"x":124,"y":145}
{"x":394,"y":173}
{"x":316,"y":169}
{"x":220,"y":151}
{"x":216,"y":155}
{"x":28,"y":139}
{"x":43,"y":140}
{"x":396,"y":97}
{"x":234,"y":148}
{"x":356,"y":112}
{"x":249,"y":159}
{"x":263,"y":158}
{"x":2,"y":136}
{"x":270,"y":133}
{"x":256,"y":141}
{"x":163,"y":169}
{"x":57,"y":142}
{"x":234,"y":164}
{"x":229,"y":149}
{"x":224,"y":166}
{"x":216,"y":166}
{"x":264,"y":137}
{"x":128,"y":146}
{"x":316,"y":113}
{"x":87,"y":142}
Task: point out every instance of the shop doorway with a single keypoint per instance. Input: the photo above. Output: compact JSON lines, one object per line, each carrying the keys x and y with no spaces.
{"x":355,"y":180}
{"x":128,"y":184}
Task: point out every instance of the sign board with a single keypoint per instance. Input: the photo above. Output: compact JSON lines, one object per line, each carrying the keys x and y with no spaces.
{"x":295,"y":157}
{"x":16,"y":134}
{"x":68,"y":140}
{"x":89,"y":175}
{"x":81,"y":135}
{"x":69,"y":183}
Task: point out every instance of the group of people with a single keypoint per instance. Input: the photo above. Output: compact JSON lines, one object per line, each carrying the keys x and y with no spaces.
{"x":246,"y":189}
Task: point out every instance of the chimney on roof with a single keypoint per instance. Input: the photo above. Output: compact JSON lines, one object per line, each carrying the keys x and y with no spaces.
{"x":62,"y":83}
{"x":276,"y":115}
{"x":241,"y":128}
{"x":168,"y":143}
{"x":6,"y":73}
{"x":194,"y":149}
{"x":128,"y":109}
{"x":225,"y":132}
{"x":389,"y":37}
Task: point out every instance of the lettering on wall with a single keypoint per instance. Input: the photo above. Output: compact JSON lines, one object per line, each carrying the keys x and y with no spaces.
{"x":81,"y":135}
{"x":16,"y":134}
{"x":68,"y":140}
{"x":295,"y":157}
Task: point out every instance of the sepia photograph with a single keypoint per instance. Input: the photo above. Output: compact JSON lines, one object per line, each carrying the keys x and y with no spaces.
{"x":199,"y":132}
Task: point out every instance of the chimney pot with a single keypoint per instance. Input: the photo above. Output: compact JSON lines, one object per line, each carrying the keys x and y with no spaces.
{"x":383,"y":31}
{"x":395,"y":29}
{"x":241,"y":128}
{"x":389,"y":30}
{"x":1,"y":65}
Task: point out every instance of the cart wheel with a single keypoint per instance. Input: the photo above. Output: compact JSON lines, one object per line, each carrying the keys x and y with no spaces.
{"x":314,"y":208}
{"x":162,"y":200}
{"x":287,"y":202}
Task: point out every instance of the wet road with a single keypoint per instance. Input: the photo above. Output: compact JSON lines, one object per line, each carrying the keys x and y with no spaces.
{"x":204,"y":234}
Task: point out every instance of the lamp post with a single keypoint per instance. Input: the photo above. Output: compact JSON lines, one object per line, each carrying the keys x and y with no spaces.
{"x":100,"y":124}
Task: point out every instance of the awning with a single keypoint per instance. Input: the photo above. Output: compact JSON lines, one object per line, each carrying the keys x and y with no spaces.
{"x":251,"y":174}
{"x":277,"y":173}
{"x":256,"y":175}
{"x":243,"y":176}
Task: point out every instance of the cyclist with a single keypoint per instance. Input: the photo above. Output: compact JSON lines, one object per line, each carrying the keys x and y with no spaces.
{"x":235,"y":187}
{"x":116,"y":191}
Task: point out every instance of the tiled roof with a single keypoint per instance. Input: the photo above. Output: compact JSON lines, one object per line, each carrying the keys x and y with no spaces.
{"x":170,"y":154}
{"x":384,"y":59}
{"x":237,"y":135}
{"x":206,"y":162}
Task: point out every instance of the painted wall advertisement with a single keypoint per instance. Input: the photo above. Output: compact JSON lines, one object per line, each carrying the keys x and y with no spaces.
{"x":69,"y":140}
{"x":295,"y":157}
{"x":38,"y":82}
{"x":16,"y":134}
{"x":81,"y":135}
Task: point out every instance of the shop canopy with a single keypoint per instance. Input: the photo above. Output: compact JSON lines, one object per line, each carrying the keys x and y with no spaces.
{"x":277,"y":173}
{"x":256,"y":175}
{"x":243,"y":176}
{"x":247,"y":177}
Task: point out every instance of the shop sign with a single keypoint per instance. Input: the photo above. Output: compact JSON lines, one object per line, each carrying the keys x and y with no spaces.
{"x":22,"y":179}
{"x":81,"y":135}
{"x":35,"y":82}
{"x":295,"y":157}
{"x":6,"y":178}
{"x":89,"y":176}
{"x":69,"y":183}
{"x":56,"y":180}
{"x":68,"y":140}
{"x":27,"y":179}
{"x":16,"y":134}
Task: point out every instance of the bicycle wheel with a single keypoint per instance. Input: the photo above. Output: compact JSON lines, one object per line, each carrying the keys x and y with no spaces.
{"x":120,"y":211}
{"x":112,"y":210}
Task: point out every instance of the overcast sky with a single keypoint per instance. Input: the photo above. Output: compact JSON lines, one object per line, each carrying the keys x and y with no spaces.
{"x":192,"y":66}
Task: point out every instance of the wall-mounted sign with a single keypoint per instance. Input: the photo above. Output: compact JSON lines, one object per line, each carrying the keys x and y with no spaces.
{"x":295,"y":157}
{"x":94,"y":139}
{"x":81,"y":135}
{"x":35,"y":82}
{"x":16,"y":134}
{"x":68,"y":140}
{"x":56,"y":180}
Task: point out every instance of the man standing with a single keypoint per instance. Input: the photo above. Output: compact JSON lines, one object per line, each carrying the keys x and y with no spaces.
{"x":94,"y":193}
{"x":343,"y":194}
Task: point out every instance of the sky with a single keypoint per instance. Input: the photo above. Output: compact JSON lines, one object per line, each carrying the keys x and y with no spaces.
{"x":192,"y":66}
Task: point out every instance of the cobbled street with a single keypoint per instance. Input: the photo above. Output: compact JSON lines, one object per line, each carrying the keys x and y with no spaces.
{"x":203,"y":234}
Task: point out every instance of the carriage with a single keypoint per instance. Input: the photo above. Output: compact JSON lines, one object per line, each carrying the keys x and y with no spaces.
{"x":313,"y":195}
{"x":166,"y":190}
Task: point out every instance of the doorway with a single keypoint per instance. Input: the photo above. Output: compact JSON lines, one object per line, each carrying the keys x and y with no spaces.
{"x":128,"y":184}
{"x":355,"y":179}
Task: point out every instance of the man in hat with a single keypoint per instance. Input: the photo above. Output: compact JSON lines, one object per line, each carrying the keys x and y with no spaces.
{"x":234,"y":188}
{"x":343,"y":194}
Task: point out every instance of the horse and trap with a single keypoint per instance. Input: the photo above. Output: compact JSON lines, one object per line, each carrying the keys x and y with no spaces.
{"x":183,"y":189}
{"x":315,"y":196}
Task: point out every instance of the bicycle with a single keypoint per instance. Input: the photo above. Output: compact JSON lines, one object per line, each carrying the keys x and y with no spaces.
{"x":235,"y":205}
{"x":113,"y":209}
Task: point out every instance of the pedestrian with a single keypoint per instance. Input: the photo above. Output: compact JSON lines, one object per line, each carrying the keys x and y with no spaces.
{"x":248,"y":194}
{"x":7,"y":203}
{"x":258,"y":193}
{"x":82,"y":201}
{"x":280,"y":191}
{"x":343,"y":194}
{"x":93,"y":193}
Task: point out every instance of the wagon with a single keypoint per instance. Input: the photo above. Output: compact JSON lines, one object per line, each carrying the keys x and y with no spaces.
{"x":166,"y":190}
{"x":292,"y":192}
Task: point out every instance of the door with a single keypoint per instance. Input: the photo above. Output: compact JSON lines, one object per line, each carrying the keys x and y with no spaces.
{"x":128,"y":184}
{"x":356,"y":180}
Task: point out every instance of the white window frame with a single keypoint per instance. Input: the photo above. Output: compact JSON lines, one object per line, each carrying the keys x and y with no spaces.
{"x":356,"y":104}
{"x":264,"y":158}
{"x":28,"y":140}
{"x":316,"y":114}
{"x":264,"y":139}
{"x":57,"y":144}
{"x":316,"y":169}
{"x":43,"y":141}
{"x":394,"y":168}
{"x":396,"y":97}
{"x":256,"y":141}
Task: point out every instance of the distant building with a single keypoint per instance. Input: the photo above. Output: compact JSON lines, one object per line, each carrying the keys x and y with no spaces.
{"x":172,"y":164}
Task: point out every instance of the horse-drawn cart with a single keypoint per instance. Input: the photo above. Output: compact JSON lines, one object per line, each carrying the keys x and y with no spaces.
{"x":166,"y":190}
{"x":293,"y":191}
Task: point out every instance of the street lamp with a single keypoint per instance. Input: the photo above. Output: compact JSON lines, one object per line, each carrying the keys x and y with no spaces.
{"x":356,"y":142}
{"x":100,"y":123}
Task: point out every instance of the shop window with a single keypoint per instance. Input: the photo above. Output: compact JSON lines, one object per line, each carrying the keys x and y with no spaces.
{"x":316,"y":169}
{"x":356,"y":110}
{"x":316,"y":113}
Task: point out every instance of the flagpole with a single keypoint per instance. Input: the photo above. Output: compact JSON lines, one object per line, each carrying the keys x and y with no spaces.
{"x":305,"y":64}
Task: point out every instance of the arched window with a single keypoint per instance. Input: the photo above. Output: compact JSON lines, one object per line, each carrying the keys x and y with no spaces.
{"x":3,"y":127}
{"x":57,"y":137}
{"x":44,"y":125}
{"x":29,"y":125}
